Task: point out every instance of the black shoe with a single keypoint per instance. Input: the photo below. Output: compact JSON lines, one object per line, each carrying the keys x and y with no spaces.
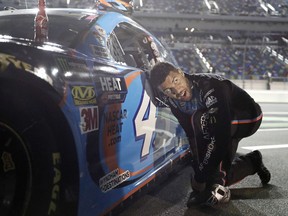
{"x":218,"y":194}
{"x":261,"y":170}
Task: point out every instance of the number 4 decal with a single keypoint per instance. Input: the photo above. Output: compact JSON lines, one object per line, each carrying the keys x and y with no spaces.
{"x":145,"y":122}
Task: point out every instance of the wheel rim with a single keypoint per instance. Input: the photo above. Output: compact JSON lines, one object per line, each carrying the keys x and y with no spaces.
{"x":15,"y":172}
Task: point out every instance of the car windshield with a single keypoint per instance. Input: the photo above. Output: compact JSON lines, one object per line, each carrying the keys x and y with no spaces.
{"x":63,"y":30}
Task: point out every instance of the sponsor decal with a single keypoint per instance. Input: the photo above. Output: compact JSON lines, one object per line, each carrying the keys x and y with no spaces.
{"x":155,"y":49}
{"x":213,"y":110}
{"x":83,"y":95}
{"x":72,"y":64}
{"x":112,"y":89}
{"x":154,"y":46}
{"x":100,"y":30}
{"x":115,"y":115}
{"x":182,"y":104}
{"x":99,"y":39}
{"x":55,"y":193}
{"x":210,"y":101}
{"x":6,"y":60}
{"x":63,"y":63}
{"x":210,"y":148}
{"x":150,"y":39}
{"x":113,"y":179}
{"x":110,"y":84}
{"x":114,"y":96}
{"x":89,"y":119}
{"x":204,"y":125}
{"x":113,"y":125}
{"x":99,"y":51}
{"x":208,"y":93}
{"x":7,"y":161}
{"x":156,"y":53}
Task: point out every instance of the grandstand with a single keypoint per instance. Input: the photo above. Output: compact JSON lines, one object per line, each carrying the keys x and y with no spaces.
{"x":242,"y":39}
{"x":249,"y":59}
{"x":240,"y":61}
{"x":227,"y":7}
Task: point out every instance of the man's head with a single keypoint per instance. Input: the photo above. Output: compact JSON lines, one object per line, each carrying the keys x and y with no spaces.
{"x":170,"y":80}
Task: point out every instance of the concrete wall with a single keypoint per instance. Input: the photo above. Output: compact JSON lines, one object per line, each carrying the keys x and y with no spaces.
{"x":258,"y":90}
{"x":261,"y":84}
{"x":269,"y":96}
{"x":178,"y":22}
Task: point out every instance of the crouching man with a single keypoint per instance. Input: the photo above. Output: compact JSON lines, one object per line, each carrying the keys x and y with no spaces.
{"x":215,"y":114}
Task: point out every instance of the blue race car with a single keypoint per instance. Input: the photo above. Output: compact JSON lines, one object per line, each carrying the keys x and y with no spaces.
{"x":80,"y":130}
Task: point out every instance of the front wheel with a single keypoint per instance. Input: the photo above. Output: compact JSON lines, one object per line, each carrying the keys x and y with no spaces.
{"x":15,"y":172}
{"x":30,"y":162}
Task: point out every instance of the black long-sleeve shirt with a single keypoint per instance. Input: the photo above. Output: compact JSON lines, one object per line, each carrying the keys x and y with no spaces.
{"x":220,"y":104}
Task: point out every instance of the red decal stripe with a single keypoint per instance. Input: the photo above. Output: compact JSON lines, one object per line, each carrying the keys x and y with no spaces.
{"x":247,"y":121}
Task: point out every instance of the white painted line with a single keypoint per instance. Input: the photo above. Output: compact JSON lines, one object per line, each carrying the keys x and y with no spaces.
{"x":276,"y":113}
{"x":272,"y":129}
{"x":252,"y":148}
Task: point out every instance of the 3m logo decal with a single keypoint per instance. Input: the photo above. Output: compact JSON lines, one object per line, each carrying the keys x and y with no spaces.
{"x":89,"y":119}
{"x":83,"y":95}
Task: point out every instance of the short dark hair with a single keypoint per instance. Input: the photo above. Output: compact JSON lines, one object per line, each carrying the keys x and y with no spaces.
{"x":159,"y":72}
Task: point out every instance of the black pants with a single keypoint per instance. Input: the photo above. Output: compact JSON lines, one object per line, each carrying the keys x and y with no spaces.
{"x":234,"y":167}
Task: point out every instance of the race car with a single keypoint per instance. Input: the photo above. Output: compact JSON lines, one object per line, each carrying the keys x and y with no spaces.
{"x":80,"y":129}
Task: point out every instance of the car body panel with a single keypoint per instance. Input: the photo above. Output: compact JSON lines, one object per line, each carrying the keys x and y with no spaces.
{"x":122,"y":139}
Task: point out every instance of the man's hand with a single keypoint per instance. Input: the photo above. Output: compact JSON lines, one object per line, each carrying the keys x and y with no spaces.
{"x":198,"y":186}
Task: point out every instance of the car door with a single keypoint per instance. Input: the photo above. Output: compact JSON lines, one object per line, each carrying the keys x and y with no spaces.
{"x":135,"y":138}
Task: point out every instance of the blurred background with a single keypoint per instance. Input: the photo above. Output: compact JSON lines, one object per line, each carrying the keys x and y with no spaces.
{"x":244,"y":40}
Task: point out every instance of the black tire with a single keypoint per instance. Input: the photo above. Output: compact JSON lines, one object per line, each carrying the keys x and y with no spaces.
{"x":30,"y":160}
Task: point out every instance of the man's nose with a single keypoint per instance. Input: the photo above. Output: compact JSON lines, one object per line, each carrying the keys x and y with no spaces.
{"x":173,"y":91}
{"x":177,"y":91}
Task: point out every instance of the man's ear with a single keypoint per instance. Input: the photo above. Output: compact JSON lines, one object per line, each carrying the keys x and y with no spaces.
{"x":181,"y":72}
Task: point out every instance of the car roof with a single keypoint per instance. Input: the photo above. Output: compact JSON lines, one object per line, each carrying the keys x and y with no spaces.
{"x":64,"y":24}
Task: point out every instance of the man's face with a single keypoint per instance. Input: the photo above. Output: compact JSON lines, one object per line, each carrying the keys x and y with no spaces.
{"x":176,"y":86}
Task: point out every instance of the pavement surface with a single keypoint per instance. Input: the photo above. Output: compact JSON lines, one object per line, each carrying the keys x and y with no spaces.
{"x":248,"y":197}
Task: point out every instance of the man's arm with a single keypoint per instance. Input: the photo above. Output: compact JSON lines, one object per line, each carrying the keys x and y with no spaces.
{"x":215,"y":129}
